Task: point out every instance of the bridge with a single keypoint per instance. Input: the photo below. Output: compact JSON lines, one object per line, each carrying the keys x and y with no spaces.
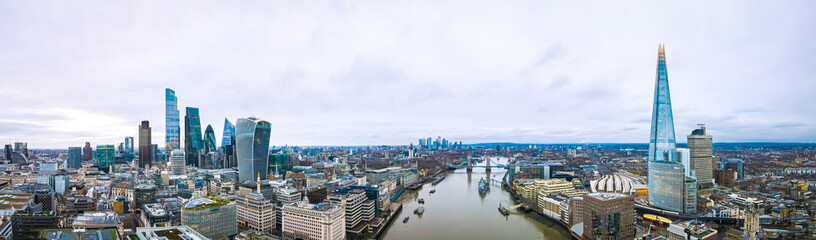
{"x":468,"y":164}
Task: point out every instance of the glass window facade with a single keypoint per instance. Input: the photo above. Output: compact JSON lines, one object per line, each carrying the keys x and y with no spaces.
{"x":252,"y":148}
{"x":192,"y":136}
{"x":661,"y":139}
{"x":75,"y":157}
{"x":104,"y":156}
{"x":171,"y":114}
{"x":666,"y":185}
{"x":229,"y":133}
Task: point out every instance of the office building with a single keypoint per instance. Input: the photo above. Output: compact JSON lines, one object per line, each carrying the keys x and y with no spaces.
{"x":7,"y":152}
{"x":701,"y":149}
{"x":28,"y":225}
{"x":75,"y":157}
{"x":255,"y":211}
{"x":146,"y":153}
{"x":229,"y":133}
{"x":104,"y":156}
{"x":359,"y":210}
{"x":87,"y":152}
{"x":252,"y":148}
{"x":210,"y":216}
{"x":171,"y":119}
{"x":192,"y":136}
{"x":308,"y":221}
{"x":287,"y":195}
{"x":129,"y":148}
{"x":156,"y":215}
{"x":666,"y":174}
{"x":143,"y":194}
{"x":608,"y":216}
{"x":736,"y":164}
{"x":209,"y":140}
{"x":177,"y":163}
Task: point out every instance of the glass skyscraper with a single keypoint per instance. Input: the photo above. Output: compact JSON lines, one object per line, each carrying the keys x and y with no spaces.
{"x":75,"y":157}
{"x":171,"y":115}
{"x":229,"y":133}
{"x":209,"y":140}
{"x":666,"y":175}
{"x":104,"y":156}
{"x":252,"y":148}
{"x":661,"y":139}
{"x":192,"y":136}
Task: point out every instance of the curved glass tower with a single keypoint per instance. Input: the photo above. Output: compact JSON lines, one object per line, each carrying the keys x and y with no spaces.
{"x":252,"y":148}
{"x":229,"y":133}
{"x":171,"y":120}
{"x":209,"y":139}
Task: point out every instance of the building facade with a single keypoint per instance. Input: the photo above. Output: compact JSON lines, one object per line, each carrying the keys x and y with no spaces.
{"x":252,"y":148}
{"x":256,"y":212}
{"x":308,"y":221}
{"x":701,"y":153}
{"x":104,"y":156}
{"x":177,"y":163}
{"x":210,"y":216}
{"x":192,"y":136}
{"x":75,"y":157}
{"x":171,"y":119}
{"x":145,"y":145}
{"x":609,"y":216}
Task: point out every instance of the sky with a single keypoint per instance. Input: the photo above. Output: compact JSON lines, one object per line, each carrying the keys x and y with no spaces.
{"x":391,"y":72}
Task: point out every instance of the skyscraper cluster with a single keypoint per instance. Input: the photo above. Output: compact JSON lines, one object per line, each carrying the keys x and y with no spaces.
{"x":438,"y":144}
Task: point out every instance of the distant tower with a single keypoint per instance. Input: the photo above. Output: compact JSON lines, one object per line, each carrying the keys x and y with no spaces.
{"x":129,"y":145}
{"x":145,"y":145}
{"x":252,"y":147}
{"x":171,"y":119}
{"x":701,"y":150}
{"x":229,"y":133}
{"x":87,"y":152}
{"x":192,"y":136}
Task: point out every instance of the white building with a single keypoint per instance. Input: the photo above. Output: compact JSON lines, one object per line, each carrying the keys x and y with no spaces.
{"x":309,"y":221}
{"x":358,"y":209}
{"x":256,"y":212}
{"x":177,"y":162}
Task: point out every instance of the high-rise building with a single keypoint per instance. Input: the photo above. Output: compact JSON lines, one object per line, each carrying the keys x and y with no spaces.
{"x":87,"y":152}
{"x":104,"y":156}
{"x":7,"y":152}
{"x":210,"y":216}
{"x":308,"y":221}
{"x":701,"y":150}
{"x":252,"y":148}
{"x":608,"y":216}
{"x":171,"y":119}
{"x":75,"y":157}
{"x":129,"y":145}
{"x":145,"y":146}
{"x":229,"y":133}
{"x":666,"y":175}
{"x":209,"y":140}
{"x":177,"y":162}
{"x":192,"y":136}
{"x":661,"y":138}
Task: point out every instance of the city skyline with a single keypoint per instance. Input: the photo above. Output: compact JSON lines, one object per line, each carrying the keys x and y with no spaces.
{"x":516,"y":76}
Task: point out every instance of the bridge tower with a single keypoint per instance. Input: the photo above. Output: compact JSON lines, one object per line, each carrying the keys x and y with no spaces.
{"x":487,"y":161}
{"x":469,"y":165}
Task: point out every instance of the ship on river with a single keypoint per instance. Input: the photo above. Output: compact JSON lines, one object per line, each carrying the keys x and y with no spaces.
{"x":483,"y":186}
{"x":439,"y":179}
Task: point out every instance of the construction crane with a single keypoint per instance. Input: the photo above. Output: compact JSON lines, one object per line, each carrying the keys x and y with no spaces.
{"x":125,"y":183}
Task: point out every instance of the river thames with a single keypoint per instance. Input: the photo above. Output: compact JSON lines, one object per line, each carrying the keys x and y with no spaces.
{"x":458,"y":211}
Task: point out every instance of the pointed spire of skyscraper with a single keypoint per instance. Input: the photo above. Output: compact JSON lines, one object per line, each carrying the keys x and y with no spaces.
{"x":662,"y":142}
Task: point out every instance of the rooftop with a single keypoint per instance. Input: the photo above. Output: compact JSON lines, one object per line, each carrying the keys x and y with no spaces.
{"x":204,"y":203}
{"x":607,"y":196}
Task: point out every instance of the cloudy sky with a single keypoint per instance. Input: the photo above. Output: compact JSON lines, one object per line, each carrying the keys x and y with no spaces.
{"x":390,"y":72}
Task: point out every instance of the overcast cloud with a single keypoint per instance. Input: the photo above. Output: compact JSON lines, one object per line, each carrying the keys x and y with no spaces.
{"x":390,"y":72}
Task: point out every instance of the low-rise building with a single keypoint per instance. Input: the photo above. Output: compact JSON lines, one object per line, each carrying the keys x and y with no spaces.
{"x":313,"y":221}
